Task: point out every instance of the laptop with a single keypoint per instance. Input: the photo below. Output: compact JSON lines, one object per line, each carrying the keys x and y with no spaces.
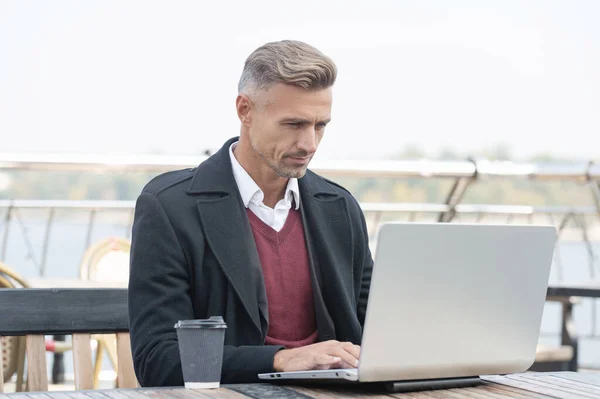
{"x":449,"y":303}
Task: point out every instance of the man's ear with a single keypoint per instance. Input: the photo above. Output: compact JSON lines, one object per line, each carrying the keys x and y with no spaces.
{"x":243,"y":105}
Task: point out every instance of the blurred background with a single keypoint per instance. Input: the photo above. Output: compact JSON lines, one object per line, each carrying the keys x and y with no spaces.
{"x":452,"y":112}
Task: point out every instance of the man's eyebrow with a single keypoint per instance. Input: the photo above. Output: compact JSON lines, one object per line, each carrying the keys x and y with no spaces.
{"x":301,"y":120}
{"x":295,"y":120}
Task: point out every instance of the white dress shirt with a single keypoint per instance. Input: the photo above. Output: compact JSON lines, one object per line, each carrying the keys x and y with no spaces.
{"x":253,"y":196}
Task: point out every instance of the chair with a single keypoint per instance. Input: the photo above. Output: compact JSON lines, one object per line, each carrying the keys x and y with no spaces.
{"x":564,"y":357}
{"x":13,"y":348}
{"x":78,"y":312}
{"x":106,"y":261}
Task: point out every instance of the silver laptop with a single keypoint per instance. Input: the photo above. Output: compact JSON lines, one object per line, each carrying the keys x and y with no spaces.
{"x":450,"y":302}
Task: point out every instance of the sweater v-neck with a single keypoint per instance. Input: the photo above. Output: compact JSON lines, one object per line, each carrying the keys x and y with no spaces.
{"x":271,"y":234}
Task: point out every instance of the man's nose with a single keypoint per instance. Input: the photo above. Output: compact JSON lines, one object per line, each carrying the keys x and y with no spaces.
{"x":308,"y":140}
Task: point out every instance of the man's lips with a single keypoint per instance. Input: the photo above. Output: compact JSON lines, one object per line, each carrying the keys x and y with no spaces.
{"x":300,"y":159}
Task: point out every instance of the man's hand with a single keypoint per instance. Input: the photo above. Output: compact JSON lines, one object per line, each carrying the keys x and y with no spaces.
{"x":319,"y":356}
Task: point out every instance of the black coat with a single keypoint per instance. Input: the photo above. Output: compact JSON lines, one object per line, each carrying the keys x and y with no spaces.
{"x":193,"y":256}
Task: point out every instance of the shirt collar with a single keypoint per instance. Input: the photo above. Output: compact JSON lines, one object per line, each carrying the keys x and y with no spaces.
{"x":251,"y":192}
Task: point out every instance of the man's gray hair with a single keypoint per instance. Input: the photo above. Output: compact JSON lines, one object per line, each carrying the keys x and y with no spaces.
{"x":290,"y":62}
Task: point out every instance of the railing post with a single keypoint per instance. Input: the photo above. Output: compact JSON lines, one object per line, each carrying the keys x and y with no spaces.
{"x":46,"y":242}
{"x":456,"y":195}
{"x":6,"y":231}
{"x":557,"y":256}
{"x":88,"y":237}
{"x":592,"y":265}
{"x":563,"y":224}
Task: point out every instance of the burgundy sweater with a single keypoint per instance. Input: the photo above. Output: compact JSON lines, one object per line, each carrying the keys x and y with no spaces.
{"x":286,"y":271}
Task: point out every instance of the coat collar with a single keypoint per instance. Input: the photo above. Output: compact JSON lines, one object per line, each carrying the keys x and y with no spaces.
{"x":215,"y":177}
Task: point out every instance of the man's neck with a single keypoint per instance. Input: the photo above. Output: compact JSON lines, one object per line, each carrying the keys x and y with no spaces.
{"x":272,"y":186}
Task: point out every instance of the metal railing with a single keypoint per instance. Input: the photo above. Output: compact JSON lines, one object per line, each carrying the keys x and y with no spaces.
{"x":464,"y":174}
{"x":409,"y":168}
{"x":585,"y":220}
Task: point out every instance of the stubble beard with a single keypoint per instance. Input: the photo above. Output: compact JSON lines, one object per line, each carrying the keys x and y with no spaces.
{"x":279,"y":169}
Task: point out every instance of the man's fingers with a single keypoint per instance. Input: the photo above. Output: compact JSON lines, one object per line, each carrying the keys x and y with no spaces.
{"x":354,"y":350}
{"x":326,"y":360}
{"x":345,"y":365}
{"x":336,"y":355}
{"x":345,"y":356}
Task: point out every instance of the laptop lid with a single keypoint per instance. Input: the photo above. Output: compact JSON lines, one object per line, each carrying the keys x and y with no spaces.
{"x":455,"y":300}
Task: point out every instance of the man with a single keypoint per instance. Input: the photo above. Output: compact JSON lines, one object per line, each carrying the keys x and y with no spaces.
{"x":253,"y":236}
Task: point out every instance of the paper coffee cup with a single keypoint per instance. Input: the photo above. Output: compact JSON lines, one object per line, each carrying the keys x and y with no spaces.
{"x":201,"y":351}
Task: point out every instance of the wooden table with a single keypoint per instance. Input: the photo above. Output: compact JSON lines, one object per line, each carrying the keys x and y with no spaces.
{"x":567,"y":385}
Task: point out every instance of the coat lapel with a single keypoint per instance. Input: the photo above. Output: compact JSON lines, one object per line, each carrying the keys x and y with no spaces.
{"x":228,"y":233}
{"x":329,"y":240}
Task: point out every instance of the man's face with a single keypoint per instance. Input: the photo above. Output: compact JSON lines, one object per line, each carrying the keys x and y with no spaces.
{"x":286,"y":126}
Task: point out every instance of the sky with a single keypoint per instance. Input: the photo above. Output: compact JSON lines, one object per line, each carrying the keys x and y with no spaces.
{"x":142,"y":76}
